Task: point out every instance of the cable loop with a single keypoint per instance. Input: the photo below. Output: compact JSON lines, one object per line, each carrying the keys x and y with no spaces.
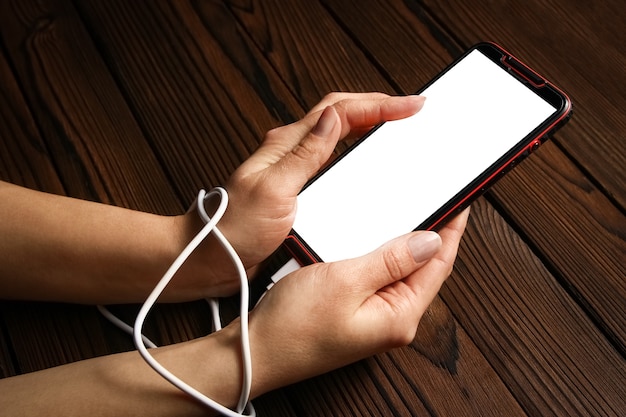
{"x":210,"y":226}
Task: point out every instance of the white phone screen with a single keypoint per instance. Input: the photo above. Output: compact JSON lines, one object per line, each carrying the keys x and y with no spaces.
{"x":407,"y":169}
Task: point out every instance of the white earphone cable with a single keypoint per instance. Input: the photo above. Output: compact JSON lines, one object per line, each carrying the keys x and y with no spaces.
{"x":210,"y":226}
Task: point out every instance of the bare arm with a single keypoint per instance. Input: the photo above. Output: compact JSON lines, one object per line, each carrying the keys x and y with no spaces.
{"x":63,"y":249}
{"x":343,"y":326}
{"x":123,"y":384}
{"x":56,"y":248}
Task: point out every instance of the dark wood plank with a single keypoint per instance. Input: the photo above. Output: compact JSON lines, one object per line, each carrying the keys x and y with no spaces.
{"x":555,"y":361}
{"x":203,"y":113}
{"x":24,"y":157}
{"x":304,"y":45}
{"x":349,"y":391}
{"x":563,"y":39}
{"x":272,"y":404}
{"x":575,"y":228}
{"x":7,"y":367}
{"x":43,"y":335}
{"x":457,"y":359}
{"x":571,"y":208}
{"x":96,"y":144}
{"x":81,"y":125}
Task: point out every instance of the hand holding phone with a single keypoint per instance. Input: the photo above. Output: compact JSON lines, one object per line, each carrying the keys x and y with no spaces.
{"x":484,"y":113}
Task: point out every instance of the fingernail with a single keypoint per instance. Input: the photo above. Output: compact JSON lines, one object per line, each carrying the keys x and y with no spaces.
{"x":326,"y":122}
{"x":417,"y":99}
{"x":412,"y":99}
{"x":424,"y":245}
{"x":404,"y":105}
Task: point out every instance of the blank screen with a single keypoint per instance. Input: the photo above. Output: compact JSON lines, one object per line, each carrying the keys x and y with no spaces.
{"x":407,"y":169}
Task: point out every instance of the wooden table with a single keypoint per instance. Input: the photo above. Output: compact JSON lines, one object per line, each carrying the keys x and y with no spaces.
{"x":142,"y":103}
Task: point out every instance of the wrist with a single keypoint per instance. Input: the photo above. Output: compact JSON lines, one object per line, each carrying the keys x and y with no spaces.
{"x":216,"y":369}
{"x":208,"y":272}
{"x":274,"y":357}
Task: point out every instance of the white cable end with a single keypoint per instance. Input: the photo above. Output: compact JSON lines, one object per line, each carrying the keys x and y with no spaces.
{"x":289,"y":267}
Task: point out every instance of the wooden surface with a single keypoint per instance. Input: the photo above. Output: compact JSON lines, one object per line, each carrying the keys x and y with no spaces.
{"x":141,"y":103}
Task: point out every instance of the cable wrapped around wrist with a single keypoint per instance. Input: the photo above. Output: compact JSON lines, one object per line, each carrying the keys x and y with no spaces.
{"x":210,"y":226}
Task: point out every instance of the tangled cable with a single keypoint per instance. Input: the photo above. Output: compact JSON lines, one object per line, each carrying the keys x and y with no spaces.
{"x":141,"y":342}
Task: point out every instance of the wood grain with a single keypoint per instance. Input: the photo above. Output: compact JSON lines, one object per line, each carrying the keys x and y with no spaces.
{"x":142,"y":103}
{"x":455,"y":357}
{"x":538,"y":339}
{"x":84,"y":120}
{"x":7,"y":367}
{"x":45,"y":335}
{"x":588,"y":234}
{"x":77,"y":117}
{"x":306,"y":47}
{"x":199,"y":110}
{"x":561,"y":40}
{"x":24,"y":158}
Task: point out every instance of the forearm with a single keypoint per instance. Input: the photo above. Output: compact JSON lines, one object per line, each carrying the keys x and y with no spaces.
{"x":124,"y":384}
{"x":63,"y":249}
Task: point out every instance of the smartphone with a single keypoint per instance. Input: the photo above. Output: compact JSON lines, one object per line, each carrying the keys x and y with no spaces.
{"x":483,"y":114}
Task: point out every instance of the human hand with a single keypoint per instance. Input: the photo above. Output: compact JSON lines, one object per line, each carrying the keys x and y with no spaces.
{"x":263,"y":190}
{"x":328,"y":315}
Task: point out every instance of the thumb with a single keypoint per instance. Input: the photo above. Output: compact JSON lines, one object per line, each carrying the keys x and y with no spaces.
{"x":306,"y":159}
{"x":397,"y":259}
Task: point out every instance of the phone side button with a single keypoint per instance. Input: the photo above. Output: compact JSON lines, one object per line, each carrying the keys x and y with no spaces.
{"x":534,"y":146}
